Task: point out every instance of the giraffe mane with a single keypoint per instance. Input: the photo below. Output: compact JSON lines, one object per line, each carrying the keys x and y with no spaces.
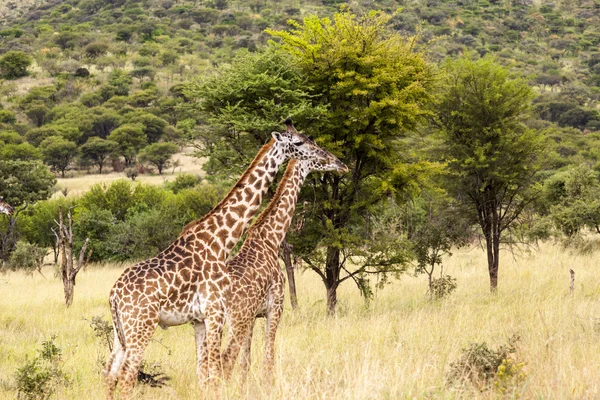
{"x":265,"y":148}
{"x":289,"y":172}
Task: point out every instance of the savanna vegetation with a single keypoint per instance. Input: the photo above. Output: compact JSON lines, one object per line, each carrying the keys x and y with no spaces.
{"x":465,"y":125}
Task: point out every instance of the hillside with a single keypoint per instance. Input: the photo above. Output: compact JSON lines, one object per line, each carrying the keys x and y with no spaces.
{"x":99,"y":64}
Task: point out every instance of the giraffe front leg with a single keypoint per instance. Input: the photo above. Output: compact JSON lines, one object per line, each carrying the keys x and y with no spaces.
{"x":214,"y":332}
{"x":201,"y":359}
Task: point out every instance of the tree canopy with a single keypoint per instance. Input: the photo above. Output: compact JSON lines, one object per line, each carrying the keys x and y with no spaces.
{"x":491,"y":154}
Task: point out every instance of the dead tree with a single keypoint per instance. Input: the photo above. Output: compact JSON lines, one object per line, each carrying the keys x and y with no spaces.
{"x":69,"y":271}
{"x":572,"y":287}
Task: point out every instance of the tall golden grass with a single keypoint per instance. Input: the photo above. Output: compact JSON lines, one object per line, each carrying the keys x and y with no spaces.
{"x":399,"y":346}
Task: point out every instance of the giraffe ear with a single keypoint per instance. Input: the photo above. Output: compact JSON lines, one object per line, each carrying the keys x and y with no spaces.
{"x":276,"y":136}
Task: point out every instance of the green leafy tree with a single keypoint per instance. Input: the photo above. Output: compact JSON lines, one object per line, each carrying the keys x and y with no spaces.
{"x":58,"y":153}
{"x":104,"y":122}
{"x":492,"y":156}
{"x":14,"y":64}
{"x":153,"y":126}
{"x":25,"y":181}
{"x":130,"y":139}
{"x":159,"y":155}
{"x":374,"y":85}
{"x":96,"y":49}
{"x":243,"y":104}
{"x":21,"y":151}
{"x":98,"y":150}
{"x":21,"y":183}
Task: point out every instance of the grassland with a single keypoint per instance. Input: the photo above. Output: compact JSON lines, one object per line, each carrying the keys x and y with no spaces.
{"x":398,"y":347}
{"x":185,"y":162}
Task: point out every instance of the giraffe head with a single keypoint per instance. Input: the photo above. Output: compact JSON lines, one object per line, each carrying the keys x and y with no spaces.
{"x":316,"y":165}
{"x":5,"y":208}
{"x":299,"y":146}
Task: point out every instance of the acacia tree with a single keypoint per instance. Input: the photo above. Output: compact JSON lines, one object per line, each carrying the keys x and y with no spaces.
{"x":98,"y":150}
{"x":492,"y":156}
{"x":374,"y":85}
{"x":59,"y":153}
{"x":159,"y":155}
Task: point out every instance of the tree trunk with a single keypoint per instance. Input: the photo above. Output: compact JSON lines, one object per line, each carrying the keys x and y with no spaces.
{"x":289,"y":269}
{"x":69,"y":271}
{"x":492,"y":241}
{"x":332,"y":274}
{"x":331,"y":300}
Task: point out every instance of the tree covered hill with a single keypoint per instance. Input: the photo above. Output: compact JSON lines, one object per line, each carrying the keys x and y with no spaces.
{"x":104,"y":58}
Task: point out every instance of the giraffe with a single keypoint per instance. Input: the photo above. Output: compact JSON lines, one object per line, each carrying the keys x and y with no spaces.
{"x":185,"y":282}
{"x":257,"y":282}
{"x":5,"y":208}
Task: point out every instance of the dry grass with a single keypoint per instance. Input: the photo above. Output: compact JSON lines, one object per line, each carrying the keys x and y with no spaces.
{"x":398,"y":347}
{"x":80,"y":183}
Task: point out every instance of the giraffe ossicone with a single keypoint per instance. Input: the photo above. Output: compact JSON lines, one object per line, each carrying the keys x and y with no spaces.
{"x":187,"y":281}
{"x":257,"y":282}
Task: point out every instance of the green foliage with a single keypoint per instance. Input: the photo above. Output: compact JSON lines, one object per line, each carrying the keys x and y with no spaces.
{"x":374,"y":85}
{"x":39,"y":378}
{"x":245,"y":102}
{"x":152,"y":126}
{"x":492,"y":156}
{"x":97,"y":150}
{"x":25,"y":182}
{"x":439,"y":227}
{"x":96,"y":49}
{"x":570,"y":200}
{"x":159,"y":155}
{"x":130,"y":138}
{"x":27,"y":257}
{"x":442,"y":286}
{"x":7,"y":117}
{"x":486,"y":368}
{"x":58,"y":153}
{"x":183,"y":181}
{"x":127,"y":221}
{"x":14,"y":64}
{"x":21,"y":151}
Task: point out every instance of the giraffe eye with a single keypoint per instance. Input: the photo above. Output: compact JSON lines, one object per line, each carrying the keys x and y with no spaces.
{"x":298,"y":143}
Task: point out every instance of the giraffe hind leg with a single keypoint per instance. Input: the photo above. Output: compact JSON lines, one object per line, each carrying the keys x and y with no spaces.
{"x":112,"y":368}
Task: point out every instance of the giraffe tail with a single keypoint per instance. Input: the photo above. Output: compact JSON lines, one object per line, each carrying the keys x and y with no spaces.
{"x":117,"y":323}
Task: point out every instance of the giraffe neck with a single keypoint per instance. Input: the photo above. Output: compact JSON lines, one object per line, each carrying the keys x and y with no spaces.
{"x":228,"y":221}
{"x":273,"y":223}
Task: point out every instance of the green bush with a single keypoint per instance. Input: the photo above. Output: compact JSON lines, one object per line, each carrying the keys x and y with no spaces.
{"x":27,"y":257}
{"x":183,"y":181}
{"x":486,"y":368}
{"x":14,"y":64}
{"x":40,"y":377}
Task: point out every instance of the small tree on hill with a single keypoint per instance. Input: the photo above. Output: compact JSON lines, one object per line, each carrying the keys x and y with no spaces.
{"x":14,"y":64}
{"x":98,"y":150}
{"x":492,"y":156}
{"x":130,"y":139}
{"x":59,"y":153}
{"x":159,"y":155}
